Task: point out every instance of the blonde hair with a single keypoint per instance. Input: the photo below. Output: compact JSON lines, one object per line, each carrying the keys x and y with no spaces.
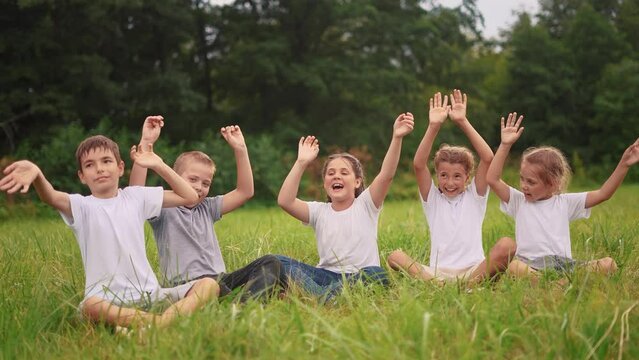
{"x":555,"y":170}
{"x":356,"y":165}
{"x":96,"y":142}
{"x":184,"y":158}
{"x":455,"y":155}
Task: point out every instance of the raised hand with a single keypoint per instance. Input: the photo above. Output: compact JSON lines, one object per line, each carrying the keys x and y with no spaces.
{"x":233,"y":135}
{"x":403,"y":125}
{"x":510,"y":130}
{"x":19,"y":176}
{"x":458,"y":103}
{"x":438,"y":109}
{"x":308,"y":149}
{"x":145,"y":157}
{"x":151,"y":129}
{"x":631,"y":155}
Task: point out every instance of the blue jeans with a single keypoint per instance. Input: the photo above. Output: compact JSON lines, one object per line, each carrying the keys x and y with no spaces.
{"x":323,"y":283}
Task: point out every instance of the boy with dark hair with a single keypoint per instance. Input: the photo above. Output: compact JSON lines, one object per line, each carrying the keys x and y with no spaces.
{"x":109,"y":228}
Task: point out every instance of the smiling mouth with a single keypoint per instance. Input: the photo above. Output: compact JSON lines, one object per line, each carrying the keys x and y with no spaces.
{"x":337,"y":186}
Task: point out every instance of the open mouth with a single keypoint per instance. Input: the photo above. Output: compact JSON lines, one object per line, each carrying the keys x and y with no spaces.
{"x":337,"y":186}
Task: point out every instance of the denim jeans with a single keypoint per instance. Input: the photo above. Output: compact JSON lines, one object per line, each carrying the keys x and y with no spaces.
{"x":259,"y":280}
{"x":326,"y":284}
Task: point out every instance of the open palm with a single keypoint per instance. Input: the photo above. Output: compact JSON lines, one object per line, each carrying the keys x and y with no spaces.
{"x":438,"y":109}
{"x":510,"y":130}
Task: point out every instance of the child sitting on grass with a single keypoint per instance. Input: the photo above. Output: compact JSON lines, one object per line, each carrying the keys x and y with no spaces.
{"x":541,"y":211}
{"x":455,"y":208}
{"x":109,"y":228}
{"x":185,"y":236}
{"x":345,"y":226}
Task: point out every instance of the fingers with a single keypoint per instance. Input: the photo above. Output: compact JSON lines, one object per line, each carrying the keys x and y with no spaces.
{"x":502,"y":123}
{"x":155,"y":120}
{"x":6,"y":183}
{"x":133,"y":153}
{"x":10,"y":168}
{"x":521,"y":118}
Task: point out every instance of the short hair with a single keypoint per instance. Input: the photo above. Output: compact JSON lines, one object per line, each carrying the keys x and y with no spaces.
{"x":555,"y":170}
{"x":455,"y":155}
{"x":356,"y":165}
{"x":185,"y":157}
{"x":96,"y":142}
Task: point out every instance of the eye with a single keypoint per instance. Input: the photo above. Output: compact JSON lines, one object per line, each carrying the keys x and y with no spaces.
{"x":206,"y":184}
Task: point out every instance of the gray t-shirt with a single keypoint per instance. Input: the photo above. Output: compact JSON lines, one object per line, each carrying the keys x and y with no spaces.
{"x":186,"y":240}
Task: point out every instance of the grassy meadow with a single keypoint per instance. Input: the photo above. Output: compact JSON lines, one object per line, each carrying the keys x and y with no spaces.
{"x":41,"y":284}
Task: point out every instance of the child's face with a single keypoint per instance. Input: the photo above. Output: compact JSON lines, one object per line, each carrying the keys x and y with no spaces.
{"x":101,"y":172}
{"x":451,"y":178}
{"x":199,"y":176}
{"x":340,"y":181}
{"x":532,"y":185}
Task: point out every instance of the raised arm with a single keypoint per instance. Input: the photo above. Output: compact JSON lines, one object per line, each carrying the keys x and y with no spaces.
{"x":437,"y":114}
{"x":629,"y":158}
{"x":308,"y":149}
{"x":150,"y":134}
{"x":510,"y":132}
{"x":182,"y":193}
{"x":244,"y":185}
{"x":21,"y":174}
{"x":403,"y":125}
{"x":457,"y":114}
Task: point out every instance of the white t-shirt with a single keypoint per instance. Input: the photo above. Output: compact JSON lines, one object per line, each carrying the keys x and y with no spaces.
{"x":110,"y":233}
{"x":347,"y":239}
{"x":455,"y":227}
{"x":542,"y":227}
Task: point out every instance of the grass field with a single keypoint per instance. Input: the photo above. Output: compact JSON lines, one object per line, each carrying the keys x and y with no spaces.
{"x":41,"y":284}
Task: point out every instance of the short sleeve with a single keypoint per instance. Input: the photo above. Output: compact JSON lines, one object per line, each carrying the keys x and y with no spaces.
{"x":314,"y":208}
{"x":576,"y":206}
{"x":366,"y":199}
{"x":153,"y":199}
{"x":213,"y":206}
{"x":77,"y":214}
{"x":431,"y":193}
{"x":473,"y":190}
{"x":514,"y":202}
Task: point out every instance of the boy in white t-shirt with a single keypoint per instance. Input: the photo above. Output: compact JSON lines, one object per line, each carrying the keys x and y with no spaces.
{"x":454,"y":210}
{"x":542,"y":213}
{"x":109,"y":228}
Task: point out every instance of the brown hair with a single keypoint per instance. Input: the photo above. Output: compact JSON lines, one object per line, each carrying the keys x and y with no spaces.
{"x":555,"y":169}
{"x":198,"y":156}
{"x":455,"y":155}
{"x":355,"y":165}
{"x":96,"y":142}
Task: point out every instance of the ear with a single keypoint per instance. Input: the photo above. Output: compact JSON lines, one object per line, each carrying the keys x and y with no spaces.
{"x":358,"y":183}
{"x":121,"y":168}
{"x":81,"y":176}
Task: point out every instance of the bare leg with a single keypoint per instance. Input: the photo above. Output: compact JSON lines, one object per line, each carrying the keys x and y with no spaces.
{"x":399,"y":260}
{"x":518,"y":268}
{"x":498,"y":259}
{"x":202,"y":292}
{"x":605,"y":266}
{"x":100,"y":310}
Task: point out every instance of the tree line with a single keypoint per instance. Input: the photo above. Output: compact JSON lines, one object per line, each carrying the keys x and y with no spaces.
{"x":340,"y":70}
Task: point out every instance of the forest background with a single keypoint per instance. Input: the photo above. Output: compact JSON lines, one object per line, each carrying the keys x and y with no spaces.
{"x":341,"y":70}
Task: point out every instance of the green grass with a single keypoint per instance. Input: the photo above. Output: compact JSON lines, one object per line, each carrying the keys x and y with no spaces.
{"x":41,"y":284}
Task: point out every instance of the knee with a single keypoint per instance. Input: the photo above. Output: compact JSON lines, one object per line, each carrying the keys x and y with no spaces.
{"x":92,"y":308}
{"x":607,"y":265}
{"x":395,"y":259}
{"x":209,"y":286}
{"x":505,"y":248}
